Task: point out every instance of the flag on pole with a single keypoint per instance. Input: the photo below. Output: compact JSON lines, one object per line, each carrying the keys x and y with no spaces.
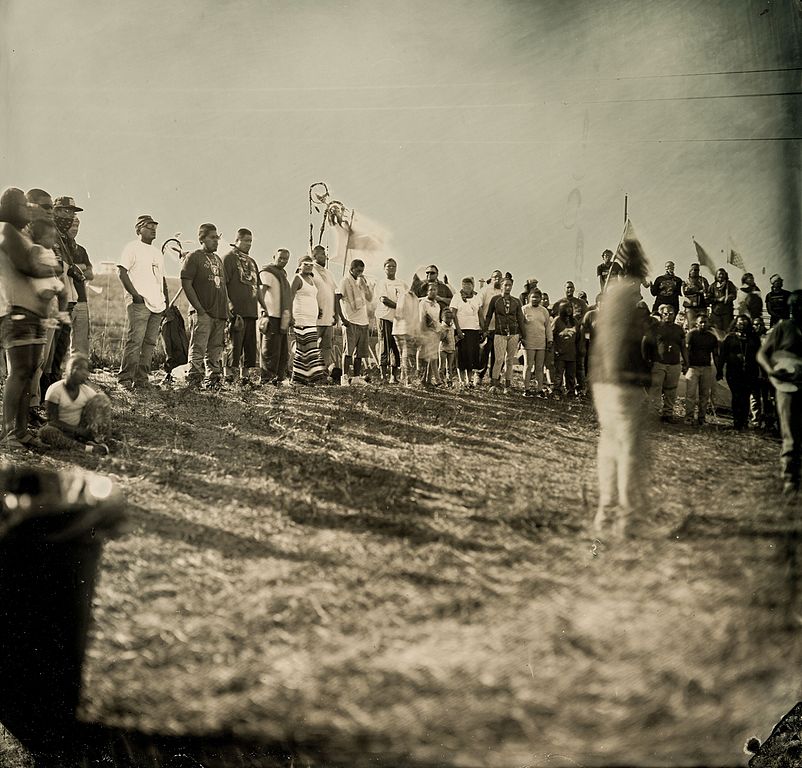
{"x":704,"y":258}
{"x":629,"y":255}
{"x":357,"y":237}
{"x":736,"y":259}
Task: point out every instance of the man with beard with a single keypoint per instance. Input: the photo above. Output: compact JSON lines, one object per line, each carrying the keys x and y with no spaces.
{"x":242,"y":285}
{"x":667,"y":289}
{"x":444,"y":293}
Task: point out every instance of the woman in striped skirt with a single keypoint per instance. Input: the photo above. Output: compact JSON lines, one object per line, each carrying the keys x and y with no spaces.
{"x":307,"y":362}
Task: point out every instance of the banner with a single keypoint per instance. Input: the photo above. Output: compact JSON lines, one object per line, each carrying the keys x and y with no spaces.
{"x":704,"y":259}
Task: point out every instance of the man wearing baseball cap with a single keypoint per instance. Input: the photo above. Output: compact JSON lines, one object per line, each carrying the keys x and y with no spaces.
{"x":64,"y":210}
{"x":141,"y":271}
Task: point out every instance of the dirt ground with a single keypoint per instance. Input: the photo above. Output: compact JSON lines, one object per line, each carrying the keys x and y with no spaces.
{"x":386,"y":576}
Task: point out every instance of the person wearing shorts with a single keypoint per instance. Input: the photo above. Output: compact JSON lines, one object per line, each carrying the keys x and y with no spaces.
{"x":22,"y":311}
{"x":351,"y":306}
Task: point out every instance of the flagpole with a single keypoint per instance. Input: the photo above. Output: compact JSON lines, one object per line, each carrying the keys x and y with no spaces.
{"x":625,"y":209}
{"x":623,"y":234}
{"x":348,"y":239}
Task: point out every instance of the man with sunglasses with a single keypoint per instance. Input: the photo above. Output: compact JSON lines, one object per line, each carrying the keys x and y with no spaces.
{"x":444,"y":293}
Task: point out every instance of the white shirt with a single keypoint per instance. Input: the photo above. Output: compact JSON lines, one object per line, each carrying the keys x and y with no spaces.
{"x":358,"y":313}
{"x":145,"y":266}
{"x":272,"y":291}
{"x":487,"y":294}
{"x":467,"y":311}
{"x":304,"y":304}
{"x":390,"y":289}
{"x":326,"y":288}
{"x":69,"y":410}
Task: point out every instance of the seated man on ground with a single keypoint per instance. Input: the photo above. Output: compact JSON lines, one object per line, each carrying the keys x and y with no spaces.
{"x":77,"y":416}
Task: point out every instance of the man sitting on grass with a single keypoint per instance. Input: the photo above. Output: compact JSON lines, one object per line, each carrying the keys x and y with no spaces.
{"x":77,"y":416}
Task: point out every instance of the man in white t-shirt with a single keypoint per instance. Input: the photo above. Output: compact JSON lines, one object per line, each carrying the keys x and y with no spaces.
{"x":387,"y":292}
{"x":326,"y":286}
{"x":141,"y":271}
{"x":351,"y":306}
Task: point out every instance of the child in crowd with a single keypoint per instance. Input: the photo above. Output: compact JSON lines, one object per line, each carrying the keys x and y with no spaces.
{"x":448,"y":348}
{"x":77,"y":416}
{"x":429,"y":350}
{"x":702,"y":360}
{"x":567,"y":340}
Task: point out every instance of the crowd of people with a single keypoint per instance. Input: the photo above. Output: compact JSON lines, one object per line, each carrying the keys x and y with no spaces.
{"x":253,"y":326}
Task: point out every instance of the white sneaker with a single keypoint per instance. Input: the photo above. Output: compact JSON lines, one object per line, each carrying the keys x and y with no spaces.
{"x":358,"y":381}
{"x":345,"y":381}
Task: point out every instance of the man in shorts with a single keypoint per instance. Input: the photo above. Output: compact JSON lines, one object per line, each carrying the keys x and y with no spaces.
{"x":353,"y":297}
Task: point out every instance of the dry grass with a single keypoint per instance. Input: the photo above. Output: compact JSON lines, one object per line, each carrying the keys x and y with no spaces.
{"x":387,"y":576}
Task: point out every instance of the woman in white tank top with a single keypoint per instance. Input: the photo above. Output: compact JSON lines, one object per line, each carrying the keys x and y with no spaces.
{"x":304,"y":293}
{"x":307,"y":363}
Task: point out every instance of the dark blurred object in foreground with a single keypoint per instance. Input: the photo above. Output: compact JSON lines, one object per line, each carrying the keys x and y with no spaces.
{"x":783,"y":748}
{"x":52,"y":527}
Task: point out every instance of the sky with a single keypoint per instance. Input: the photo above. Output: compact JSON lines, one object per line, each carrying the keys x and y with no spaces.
{"x":481,"y":134}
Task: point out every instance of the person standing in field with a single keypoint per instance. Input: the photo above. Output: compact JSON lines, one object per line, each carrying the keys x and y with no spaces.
{"x":22,"y":311}
{"x":275,"y":297}
{"x":722,"y":298}
{"x":619,"y":377}
{"x":203,"y":281}
{"x":536,"y":337}
{"x":781,"y":357}
{"x":387,"y":292}
{"x":508,"y":314}
{"x":695,"y":289}
{"x":351,"y":306}
{"x":326,"y":285}
{"x":307,"y":366}
{"x":603,"y":269}
{"x":777,"y":301}
{"x":80,"y":273}
{"x":567,"y":350}
{"x":448,"y":348}
{"x":466,"y":307}
{"x":702,"y":361}
{"x":666,"y":289}
{"x":488,"y":293}
{"x":64,"y":210}
{"x":737,"y":361}
{"x":242,"y":287}
{"x":141,"y":272}
{"x":429,"y":349}
{"x":665,"y":348}
{"x":751,"y":302}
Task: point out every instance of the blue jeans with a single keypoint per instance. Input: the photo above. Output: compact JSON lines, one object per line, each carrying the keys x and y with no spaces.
{"x":141,"y":335}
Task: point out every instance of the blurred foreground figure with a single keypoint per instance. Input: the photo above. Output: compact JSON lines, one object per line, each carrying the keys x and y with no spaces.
{"x":52,"y":525}
{"x":620,"y":376}
{"x":781,"y":357}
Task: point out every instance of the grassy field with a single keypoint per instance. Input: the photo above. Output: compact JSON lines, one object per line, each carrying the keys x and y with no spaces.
{"x":379,"y":576}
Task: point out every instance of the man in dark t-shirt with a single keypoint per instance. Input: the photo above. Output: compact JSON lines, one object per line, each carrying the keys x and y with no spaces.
{"x":664,"y":346}
{"x":667,"y":289}
{"x":242,"y":284}
{"x":79,"y":272}
{"x":702,"y":363}
{"x":203,"y":281}
{"x":603,"y":270}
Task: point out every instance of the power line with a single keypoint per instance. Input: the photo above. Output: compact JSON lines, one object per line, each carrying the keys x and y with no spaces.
{"x":690,"y":98}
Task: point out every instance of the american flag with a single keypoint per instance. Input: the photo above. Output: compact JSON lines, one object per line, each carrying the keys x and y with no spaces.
{"x":630,"y":255}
